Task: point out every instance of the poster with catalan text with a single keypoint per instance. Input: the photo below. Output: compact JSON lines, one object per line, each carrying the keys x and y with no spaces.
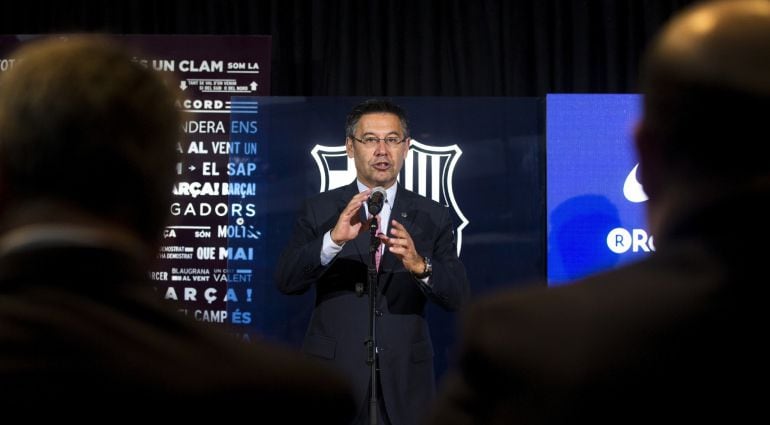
{"x":204,"y":266}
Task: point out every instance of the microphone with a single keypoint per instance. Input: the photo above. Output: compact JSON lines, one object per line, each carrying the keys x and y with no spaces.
{"x":375,"y":201}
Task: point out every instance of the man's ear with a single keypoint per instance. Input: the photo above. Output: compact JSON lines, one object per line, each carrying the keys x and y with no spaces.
{"x":648,"y":151}
{"x":349,"y":147}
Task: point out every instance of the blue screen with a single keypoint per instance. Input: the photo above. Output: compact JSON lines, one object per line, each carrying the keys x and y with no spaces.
{"x":595,"y":204}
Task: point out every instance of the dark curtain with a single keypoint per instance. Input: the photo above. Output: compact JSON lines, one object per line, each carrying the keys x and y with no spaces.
{"x":397,"y":47}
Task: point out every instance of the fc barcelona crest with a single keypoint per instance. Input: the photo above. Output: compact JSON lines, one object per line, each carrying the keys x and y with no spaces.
{"x":427,"y":170}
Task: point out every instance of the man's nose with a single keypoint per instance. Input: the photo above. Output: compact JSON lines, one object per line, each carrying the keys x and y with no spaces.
{"x":380,"y":148}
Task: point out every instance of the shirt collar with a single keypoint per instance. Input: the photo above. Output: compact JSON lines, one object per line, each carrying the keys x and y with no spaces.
{"x":36,"y":236}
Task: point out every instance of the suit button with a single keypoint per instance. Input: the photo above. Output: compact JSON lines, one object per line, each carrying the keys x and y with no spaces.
{"x":378,"y":313}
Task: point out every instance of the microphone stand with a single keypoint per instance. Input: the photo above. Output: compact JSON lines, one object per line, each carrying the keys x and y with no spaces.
{"x":371,"y":344}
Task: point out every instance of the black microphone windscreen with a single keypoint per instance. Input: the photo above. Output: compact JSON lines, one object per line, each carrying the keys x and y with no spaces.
{"x":376,"y":199}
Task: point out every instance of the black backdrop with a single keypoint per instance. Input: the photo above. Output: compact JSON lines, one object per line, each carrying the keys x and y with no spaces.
{"x":397,"y":47}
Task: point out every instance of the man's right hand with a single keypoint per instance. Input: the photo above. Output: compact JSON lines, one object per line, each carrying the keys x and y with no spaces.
{"x":349,"y":224}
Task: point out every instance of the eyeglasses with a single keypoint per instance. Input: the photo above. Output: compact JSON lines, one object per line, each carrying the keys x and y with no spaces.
{"x":372,"y":141}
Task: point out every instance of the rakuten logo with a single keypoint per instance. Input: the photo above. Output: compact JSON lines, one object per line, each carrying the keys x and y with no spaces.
{"x":620,"y":240}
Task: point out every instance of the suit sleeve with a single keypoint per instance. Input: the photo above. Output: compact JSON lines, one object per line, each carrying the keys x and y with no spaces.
{"x":300,"y":263}
{"x":449,"y":285}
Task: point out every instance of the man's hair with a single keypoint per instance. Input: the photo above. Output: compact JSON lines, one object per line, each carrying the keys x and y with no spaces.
{"x":83,"y":124}
{"x":372,"y":106}
{"x":708,"y":100}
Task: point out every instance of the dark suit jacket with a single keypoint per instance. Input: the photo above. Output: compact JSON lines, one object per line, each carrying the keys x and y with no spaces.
{"x":82,"y":332}
{"x":339,"y":323}
{"x":672,"y":338}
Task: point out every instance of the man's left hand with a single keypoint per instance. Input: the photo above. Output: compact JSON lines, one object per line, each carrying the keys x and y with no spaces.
{"x":401,"y":245}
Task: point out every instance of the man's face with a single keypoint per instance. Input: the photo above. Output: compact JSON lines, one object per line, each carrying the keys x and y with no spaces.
{"x":378,"y":164}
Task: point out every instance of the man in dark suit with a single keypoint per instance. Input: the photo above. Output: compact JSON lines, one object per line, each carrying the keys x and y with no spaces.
{"x":87,"y":156}
{"x":330,"y":249}
{"x":677,"y":336}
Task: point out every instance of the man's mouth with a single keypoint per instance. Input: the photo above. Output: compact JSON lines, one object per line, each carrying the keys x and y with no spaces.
{"x":381,"y":165}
